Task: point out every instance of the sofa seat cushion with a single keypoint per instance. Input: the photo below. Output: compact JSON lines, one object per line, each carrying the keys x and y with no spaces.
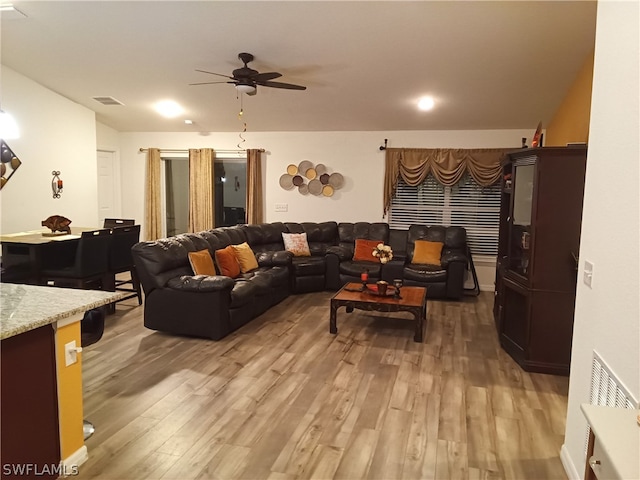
{"x":354,"y":269}
{"x":268,"y":277}
{"x":425,"y":273}
{"x":245,"y":292}
{"x":306,"y":266}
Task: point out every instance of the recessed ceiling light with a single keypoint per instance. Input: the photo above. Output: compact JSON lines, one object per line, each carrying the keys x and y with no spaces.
{"x":169,"y":108}
{"x":426,"y":103}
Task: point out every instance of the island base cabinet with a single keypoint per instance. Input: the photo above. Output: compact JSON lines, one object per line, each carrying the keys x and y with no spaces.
{"x":30,"y":446}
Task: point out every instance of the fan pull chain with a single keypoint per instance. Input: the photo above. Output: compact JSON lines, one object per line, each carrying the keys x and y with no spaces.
{"x":244,"y":125}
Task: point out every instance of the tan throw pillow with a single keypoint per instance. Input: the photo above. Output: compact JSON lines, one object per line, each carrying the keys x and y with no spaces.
{"x":363,"y":251}
{"x":297,"y":244}
{"x":426,"y":252}
{"x":246,"y":257}
{"x":227,"y":262}
{"x":202,"y":263}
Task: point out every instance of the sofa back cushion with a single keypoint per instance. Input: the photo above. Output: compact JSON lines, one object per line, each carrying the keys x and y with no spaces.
{"x":320,"y":236}
{"x":265,"y":237}
{"x":452,"y":238}
{"x":349,"y":232}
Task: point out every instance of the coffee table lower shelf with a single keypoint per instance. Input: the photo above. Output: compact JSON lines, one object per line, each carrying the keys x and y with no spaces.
{"x":414,"y":301}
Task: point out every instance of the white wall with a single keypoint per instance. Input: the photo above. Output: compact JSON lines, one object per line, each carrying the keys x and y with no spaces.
{"x":56,"y":134}
{"x":607,"y":316}
{"x":356,"y":155}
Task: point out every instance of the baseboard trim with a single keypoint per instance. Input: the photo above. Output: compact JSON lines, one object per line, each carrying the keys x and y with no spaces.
{"x":72,"y":462}
{"x":567,"y":463}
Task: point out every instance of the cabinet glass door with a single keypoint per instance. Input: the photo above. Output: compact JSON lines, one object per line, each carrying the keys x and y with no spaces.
{"x":520,"y":224}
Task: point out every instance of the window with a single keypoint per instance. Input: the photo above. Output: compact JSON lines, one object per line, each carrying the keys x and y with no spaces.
{"x":229,"y":195}
{"x":466,"y":204}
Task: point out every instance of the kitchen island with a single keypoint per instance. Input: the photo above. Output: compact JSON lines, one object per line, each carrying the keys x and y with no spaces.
{"x":41,"y":406}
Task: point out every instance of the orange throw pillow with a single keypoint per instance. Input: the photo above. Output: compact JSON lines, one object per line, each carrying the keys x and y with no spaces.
{"x":245,"y":257}
{"x":227,"y":262}
{"x":363,"y":251}
{"x":202,"y":263}
{"x":426,"y":252}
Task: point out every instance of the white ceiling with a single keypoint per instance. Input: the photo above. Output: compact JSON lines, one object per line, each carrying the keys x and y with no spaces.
{"x":489,"y":65}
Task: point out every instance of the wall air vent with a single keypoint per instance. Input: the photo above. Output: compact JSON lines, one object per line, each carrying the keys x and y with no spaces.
{"x":108,"y":101}
{"x":607,"y":390}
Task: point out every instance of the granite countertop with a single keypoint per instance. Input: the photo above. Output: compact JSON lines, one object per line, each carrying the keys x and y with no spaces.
{"x":27,"y":307}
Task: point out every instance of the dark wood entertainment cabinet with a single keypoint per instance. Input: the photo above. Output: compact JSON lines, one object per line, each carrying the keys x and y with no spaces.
{"x":537,"y":264}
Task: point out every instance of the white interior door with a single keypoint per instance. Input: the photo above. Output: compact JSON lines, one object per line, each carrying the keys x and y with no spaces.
{"x":108,"y":185}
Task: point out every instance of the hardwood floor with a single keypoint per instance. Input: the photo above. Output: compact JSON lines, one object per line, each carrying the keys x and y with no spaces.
{"x":282,"y":399}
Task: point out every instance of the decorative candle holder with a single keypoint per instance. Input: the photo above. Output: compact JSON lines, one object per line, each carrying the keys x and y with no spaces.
{"x":364,"y":277}
{"x":397,"y":283}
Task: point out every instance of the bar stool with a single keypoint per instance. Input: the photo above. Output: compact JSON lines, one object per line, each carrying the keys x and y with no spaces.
{"x":91,"y":330}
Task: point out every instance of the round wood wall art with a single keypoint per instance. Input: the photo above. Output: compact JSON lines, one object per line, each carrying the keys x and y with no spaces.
{"x":315,"y":187}
{"x":304,"y":166}
{"x":336,"y":180}
{"x":311,"y":173}
{"x":286,"y":181}
{"x":309,"y":179}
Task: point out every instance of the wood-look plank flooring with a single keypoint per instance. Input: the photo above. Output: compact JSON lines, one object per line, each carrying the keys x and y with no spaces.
{"x":283,"y":399}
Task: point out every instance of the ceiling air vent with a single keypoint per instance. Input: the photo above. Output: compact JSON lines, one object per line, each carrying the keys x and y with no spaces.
{"x":108,"y":101}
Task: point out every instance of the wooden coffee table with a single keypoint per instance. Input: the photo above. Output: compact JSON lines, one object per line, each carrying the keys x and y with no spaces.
{"x":414,"y":300}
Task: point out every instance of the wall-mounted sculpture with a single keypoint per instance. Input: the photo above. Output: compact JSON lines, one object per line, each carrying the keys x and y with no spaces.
{"x":311,"y":180}
{"x":9,"y":165}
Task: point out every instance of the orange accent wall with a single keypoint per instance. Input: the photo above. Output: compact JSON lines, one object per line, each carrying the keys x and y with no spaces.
{"x":571,"y":121}
{"x":69,"y":392}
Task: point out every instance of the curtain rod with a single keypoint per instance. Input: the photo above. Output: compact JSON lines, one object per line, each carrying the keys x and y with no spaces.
{"x":186,"y":150}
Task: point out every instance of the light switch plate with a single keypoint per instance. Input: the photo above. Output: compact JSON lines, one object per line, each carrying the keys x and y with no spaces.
{"x":587,"y":275}
{"x":281,"y":207}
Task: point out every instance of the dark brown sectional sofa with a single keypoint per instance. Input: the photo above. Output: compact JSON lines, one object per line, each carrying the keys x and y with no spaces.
{"x":179,"y":302}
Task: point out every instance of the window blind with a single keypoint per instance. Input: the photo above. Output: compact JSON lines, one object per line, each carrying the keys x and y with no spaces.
{"x":466,"y":204}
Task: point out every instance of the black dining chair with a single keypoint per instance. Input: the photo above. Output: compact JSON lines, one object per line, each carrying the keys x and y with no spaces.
{"x":117,"y":222}
{"x":121,"y":261}
{"x":89,"y":266}
{"x":91,"y":330}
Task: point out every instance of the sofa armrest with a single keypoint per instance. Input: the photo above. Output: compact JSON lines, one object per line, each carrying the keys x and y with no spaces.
{"x":450,"y":256}
{"x":273,"y":259}
{"x":343,"y":253}
{"x":201,"y":283}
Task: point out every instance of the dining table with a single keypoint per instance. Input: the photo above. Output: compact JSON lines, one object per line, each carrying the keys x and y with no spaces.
{"x":24,"y":254}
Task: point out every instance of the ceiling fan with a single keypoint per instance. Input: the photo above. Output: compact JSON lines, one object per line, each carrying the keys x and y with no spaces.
{"x":247,"y":79}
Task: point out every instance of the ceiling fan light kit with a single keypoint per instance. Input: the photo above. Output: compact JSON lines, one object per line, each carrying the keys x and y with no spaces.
{"x":246,"y":79}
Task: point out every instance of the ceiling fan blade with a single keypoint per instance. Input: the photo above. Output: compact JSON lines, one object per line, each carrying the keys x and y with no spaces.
{"x":265,"y":77}
{"x":213,"y":73}
{"x":208,"y":83}
{"x":288,"y":86}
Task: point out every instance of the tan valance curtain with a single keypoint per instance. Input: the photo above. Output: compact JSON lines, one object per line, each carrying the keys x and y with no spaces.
{"x":201,"y":187}
{"x":255,"y":203}
{"x":447,"y":165}
{"x":153,"y":197}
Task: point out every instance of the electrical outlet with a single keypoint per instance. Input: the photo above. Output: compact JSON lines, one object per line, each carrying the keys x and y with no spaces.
{"x":587,"y":275}
{"x":281,"y":207}
{"x":71,"y":353}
